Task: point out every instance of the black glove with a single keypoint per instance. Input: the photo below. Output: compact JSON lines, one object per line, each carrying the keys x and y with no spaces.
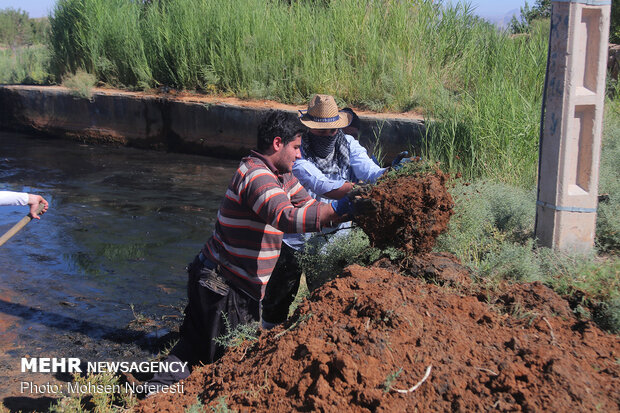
{"x":361,"y":204}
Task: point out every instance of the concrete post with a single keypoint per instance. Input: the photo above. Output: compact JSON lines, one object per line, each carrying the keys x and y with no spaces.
{"x":570,"y":140}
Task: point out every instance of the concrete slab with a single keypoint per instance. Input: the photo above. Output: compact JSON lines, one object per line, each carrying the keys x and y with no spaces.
{"x":176,"y":122}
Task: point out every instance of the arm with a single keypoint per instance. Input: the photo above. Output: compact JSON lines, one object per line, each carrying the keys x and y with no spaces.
{"x":340,"y":192}
{"x":13,"y":198}
{"x":23,"y":198}
{"x":327,"y":216}
{"x":316,"y":181}
{"x":261,"y":192}
{"x":363,"y":166}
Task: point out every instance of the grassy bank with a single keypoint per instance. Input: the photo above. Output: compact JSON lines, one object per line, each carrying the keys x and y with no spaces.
{"x":501,"y":218}
{"x":484,"y":86}
{"x":492,"y":232}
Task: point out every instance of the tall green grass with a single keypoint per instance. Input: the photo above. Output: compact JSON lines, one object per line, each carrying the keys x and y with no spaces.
{"x":100,"y":37}
{"x":608,"y":217}
{"x":491,"y":129}
{"x":482,"y":87}
{"x":25,"y":65}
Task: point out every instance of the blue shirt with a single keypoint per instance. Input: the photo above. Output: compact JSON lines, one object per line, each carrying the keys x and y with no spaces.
{"x":317,"y":183}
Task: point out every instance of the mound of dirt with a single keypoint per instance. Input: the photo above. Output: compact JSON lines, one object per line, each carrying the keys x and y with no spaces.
{"x":360,"y":338}
{"x":407,"y":212}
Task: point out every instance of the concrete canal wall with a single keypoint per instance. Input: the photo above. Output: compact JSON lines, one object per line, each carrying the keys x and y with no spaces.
{"x":187,"y":123}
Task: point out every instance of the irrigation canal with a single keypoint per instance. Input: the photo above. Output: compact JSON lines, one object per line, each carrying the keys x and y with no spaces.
{"x":121,"y":227}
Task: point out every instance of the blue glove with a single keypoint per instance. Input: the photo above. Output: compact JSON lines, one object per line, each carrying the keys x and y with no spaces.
{"x":400,"y":160}
{"x":343,"y":206}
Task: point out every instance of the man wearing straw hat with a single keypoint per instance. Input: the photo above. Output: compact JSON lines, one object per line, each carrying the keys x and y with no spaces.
{"x":332,"y":162}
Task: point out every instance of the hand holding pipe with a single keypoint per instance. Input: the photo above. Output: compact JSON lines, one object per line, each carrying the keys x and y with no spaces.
{"x":21,"y":224}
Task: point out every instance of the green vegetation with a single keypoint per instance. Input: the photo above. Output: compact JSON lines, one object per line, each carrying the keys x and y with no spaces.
{"x":24,"y":56}
{"x":26,"y":65}
{"x":608,"y":218}
{"x":389,"y":380}
{"x":484,"y":86}
{"x":614,"y":26}
{"x":492,"y":232}
{"x":321,"y":263}
{"x":493,"y":131}
{"x":98,"y":400}
{"x":501,"y":218}
{"x":17,"y":29}
{"x":540,"y":10}
{"x":235,"y":337}
{"x":81,"y":85}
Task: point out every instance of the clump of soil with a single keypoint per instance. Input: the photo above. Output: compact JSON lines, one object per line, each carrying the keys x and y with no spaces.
{"x":361,"y":337}
{"x":407,"y":212}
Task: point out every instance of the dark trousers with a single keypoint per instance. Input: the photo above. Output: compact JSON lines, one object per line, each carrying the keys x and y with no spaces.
{"x":213,"y":309}
{"x":282,"y":287}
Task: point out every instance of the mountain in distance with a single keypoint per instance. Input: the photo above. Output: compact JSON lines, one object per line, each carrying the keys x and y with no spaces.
{"x":503,"y":21}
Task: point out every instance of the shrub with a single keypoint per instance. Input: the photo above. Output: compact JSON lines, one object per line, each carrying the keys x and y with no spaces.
{"x":487,"y":215}
{"x":235,"y":337}
{"x":322,"y":262}
{"x":81,"y":84}
{"x":25,"y":65}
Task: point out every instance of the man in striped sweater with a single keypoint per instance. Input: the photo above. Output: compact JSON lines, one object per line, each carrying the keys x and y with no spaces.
{"x":227,"y":279}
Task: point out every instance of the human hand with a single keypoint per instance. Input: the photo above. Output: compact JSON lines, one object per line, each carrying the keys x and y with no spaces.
{"x":361,"y":202}
{"x":34,"y":201}
{"x":400,"y":160}
{"x":343,"y":206}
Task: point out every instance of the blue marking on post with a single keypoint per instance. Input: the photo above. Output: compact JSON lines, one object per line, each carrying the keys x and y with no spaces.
{"x":565,"y":208}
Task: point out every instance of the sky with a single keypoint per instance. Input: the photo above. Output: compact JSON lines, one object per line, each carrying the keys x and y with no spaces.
{"x":484,"y":8}
{"x":496,"y":8}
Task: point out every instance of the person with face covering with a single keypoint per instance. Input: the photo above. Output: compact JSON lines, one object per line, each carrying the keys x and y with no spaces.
{"x":331,"y":163}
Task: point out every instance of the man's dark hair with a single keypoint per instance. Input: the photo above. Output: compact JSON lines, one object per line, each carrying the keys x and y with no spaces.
{"x":276,"y":123}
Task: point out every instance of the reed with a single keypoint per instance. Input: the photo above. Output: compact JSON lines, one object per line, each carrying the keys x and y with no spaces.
{"x":481,"y":87}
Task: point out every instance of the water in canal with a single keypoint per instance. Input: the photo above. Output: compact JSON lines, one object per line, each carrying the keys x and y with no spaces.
{"x":121,"y":227}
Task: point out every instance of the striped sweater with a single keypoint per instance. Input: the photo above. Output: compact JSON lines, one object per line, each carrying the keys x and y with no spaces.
{"x":260,"y":205}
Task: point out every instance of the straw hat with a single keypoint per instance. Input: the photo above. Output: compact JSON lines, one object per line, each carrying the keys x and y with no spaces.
{"x":323,"y":113}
